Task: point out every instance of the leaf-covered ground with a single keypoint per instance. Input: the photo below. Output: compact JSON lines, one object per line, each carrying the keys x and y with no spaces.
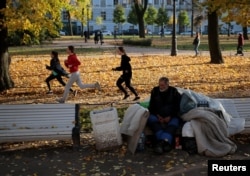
{"x":196,"y":73}
{"x":57,"y":158}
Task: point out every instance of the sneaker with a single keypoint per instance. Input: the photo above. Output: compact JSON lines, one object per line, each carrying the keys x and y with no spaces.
{"x":158,"y":149}
{"x":125,"y":96}
{"x":136,"y":98}
{"x":97,"y":86}
{"x":75,"y":93}
{"x":60,"y":100}
{"x":49,"y":92}
{"x":166,"y":146}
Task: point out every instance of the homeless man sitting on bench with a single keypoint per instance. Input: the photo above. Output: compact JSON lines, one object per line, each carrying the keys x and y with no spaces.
{"x":164,"y":106}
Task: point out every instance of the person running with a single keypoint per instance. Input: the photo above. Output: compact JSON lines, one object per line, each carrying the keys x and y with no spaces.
{"x":126,"y":76}
{"x":57,"y":72}
{"x":73,"y":63}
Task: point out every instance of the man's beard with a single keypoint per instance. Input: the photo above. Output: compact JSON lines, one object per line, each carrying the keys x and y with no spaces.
{"x":163,"y":90}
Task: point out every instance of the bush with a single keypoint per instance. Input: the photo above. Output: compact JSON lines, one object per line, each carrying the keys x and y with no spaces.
{"x":85,"y":120}
{"x":138,"y":42}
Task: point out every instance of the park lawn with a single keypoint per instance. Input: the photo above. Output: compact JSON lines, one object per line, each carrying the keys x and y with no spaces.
{"x":196,"y":73}
{"x":183,"y":43}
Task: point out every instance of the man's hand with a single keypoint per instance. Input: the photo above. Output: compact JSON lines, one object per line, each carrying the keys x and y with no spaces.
{"x":163,"y":119}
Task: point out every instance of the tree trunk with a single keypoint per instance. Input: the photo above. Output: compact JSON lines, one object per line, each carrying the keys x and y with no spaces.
{"x":69,"y":23}
{"x":213,"y":39}
{"x":141,"y":26}
{"x":245,"y":35}
{"x":5,"y":80}
{"x":140,"y":10}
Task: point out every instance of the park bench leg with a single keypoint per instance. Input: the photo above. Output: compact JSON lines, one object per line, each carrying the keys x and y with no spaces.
{"x":76,"y":130}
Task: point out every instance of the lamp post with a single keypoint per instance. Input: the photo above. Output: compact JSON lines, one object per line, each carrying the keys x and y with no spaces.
{"x":174,"y":40}
{"x":88,"y":20}
{"x":192,"y":18}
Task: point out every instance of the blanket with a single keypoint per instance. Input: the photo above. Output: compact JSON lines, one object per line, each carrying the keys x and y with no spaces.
{"x":210,"y":132}
{"x":133,"y":123}
{"x":132,"y":119}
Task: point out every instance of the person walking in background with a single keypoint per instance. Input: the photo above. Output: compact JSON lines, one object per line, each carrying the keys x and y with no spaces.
{"x":73,"y":63}
{"x":164,"y":106}
{"x":196,"y":43}
{"x":57,"y":72}
{"x":85,"y":36}
{"x":126,"y":76}
{"x":101,"y":38}
{"x":240,"y":45}
{"x":97,"y":37}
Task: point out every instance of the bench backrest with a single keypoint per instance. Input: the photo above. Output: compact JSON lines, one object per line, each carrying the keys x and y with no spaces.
{"x":238,"y":108}
{"x":30,"y":122}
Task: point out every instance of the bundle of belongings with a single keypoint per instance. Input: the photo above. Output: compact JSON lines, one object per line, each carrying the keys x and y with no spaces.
{"x":133,"y":124}
{"x":208,"y":125}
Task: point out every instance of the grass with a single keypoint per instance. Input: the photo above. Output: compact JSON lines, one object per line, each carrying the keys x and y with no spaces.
{"x":183,"y":43}
{"x":38,"y":50}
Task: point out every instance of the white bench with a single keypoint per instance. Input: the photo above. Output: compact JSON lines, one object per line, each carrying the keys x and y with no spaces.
{"x":33,"y":122}
{"x":239,"y":108}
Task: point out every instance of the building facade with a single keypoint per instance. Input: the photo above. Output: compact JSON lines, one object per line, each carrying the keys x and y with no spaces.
{"x":105,"y":9}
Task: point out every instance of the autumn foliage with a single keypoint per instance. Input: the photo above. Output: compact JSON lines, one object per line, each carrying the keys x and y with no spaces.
{"x":196,"y":73}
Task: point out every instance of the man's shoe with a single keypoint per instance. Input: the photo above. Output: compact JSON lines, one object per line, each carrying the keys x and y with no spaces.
{"x":136,"y":98}
{"x":158,"y":149}
{"x":97,"y":86}
{"x":166,"y":146}
{"x":125,"y":96}
{"x":49,"y":92}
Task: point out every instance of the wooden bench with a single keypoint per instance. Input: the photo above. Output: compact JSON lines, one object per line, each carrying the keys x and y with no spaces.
{"x":33,"y":122}
{"x":238,"y":108}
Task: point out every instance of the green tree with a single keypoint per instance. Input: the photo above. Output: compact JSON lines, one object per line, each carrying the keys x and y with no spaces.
{"x":33,"y":16}
{"x":99,"y":20}
{"x":162,"y":17}
{"x":119,"y":16}
{"x":140,"y":9}
{"x":80,"y":10}
{"x":183,"y":20}
{"x":150,"y":15}
{"x":132,"y":17}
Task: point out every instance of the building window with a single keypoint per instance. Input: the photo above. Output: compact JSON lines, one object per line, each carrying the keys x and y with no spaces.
{"x":169,"y":2}
{"x":103,"y":3}
{"x":181,"y":2}
{"x":103,"y":15}
{"x":156,"y":2}
{"x":65,"y":15}
{"x":124,"y":3}
{"x":115,"y":2}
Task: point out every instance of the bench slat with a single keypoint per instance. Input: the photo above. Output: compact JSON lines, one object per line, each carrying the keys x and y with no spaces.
{"x":238,"y":107}
{"x":36,"y":122}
